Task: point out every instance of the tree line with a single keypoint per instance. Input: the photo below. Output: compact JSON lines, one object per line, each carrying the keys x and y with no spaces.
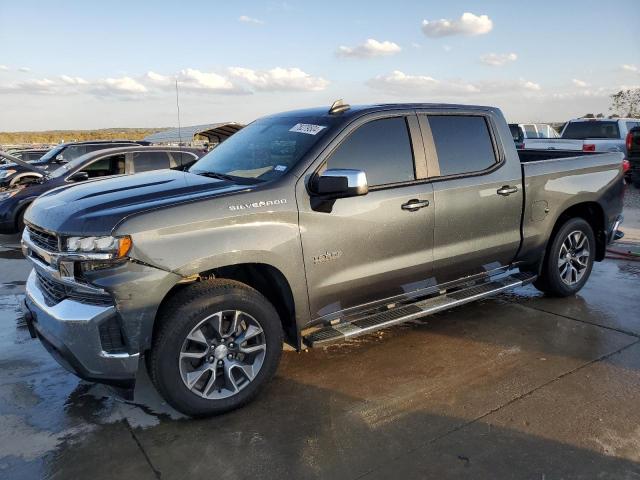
{"x":58,"y":136}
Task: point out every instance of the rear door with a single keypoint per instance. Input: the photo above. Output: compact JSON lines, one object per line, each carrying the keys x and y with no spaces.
{"x":477,"y":194}
{"x":370,"y":248}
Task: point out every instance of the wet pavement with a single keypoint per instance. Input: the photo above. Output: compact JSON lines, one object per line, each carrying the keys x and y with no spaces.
{"x":517,"y":386}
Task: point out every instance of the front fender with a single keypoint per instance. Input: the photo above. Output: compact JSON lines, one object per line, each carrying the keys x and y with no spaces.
{"x":208,"y":239}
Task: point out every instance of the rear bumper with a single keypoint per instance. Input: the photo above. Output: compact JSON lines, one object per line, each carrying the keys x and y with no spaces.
{"x":69,"y":330}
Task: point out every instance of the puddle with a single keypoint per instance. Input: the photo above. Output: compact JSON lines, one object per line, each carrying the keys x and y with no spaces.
{"x":11,"y":254}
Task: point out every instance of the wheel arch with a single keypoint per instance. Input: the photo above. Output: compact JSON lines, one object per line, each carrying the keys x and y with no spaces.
{"x":266,"y":279}
{"x":594,"y":215}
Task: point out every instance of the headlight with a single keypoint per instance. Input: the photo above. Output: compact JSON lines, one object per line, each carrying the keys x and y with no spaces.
{"x":118,"y":247}
{"x":7,"y":173}
{"x":8,"y":194}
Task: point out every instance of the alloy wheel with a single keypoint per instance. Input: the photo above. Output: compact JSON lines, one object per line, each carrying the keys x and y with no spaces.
{"x":574,"y":257}
{"x":222,"y":354}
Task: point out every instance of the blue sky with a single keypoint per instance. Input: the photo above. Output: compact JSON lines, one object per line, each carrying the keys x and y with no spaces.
{"x":88,"y":64}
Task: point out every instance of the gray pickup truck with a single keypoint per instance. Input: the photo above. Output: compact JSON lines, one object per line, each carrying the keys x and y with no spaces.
{"x":306,"y":228}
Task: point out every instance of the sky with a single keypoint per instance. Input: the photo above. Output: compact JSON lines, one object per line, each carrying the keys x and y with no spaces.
{"x":82,"y":65}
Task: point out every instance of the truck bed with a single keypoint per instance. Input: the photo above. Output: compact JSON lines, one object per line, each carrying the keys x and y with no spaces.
{"x":554,"y":179}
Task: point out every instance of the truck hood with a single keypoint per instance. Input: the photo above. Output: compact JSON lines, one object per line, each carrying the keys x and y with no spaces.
{"x":96,"y":207}
{"x":16,"y":161}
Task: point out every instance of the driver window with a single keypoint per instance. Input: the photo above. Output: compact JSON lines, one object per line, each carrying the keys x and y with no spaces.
{"x":105,"y":167}
{"x":381,"y":149}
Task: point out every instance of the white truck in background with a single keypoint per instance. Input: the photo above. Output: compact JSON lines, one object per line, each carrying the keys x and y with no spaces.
{"x":588,"y":135}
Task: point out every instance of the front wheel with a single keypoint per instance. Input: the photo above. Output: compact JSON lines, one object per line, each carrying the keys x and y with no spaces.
{"x":218,"y":343}
{"x":569,"y":259}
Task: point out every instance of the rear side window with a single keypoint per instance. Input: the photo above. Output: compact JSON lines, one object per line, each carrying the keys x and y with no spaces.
{"x":381,"y":149}
{"x":631,"y":125}
{"x":531,"y":131}
{"x":462,"y":142}
{"x":591,"y":129}
{"x":516,"y":133}
{"x":146,"y":161}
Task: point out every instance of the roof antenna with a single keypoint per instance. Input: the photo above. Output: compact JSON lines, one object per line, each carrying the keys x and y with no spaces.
{"x":178,"y":109}
{"x":338,"y":107}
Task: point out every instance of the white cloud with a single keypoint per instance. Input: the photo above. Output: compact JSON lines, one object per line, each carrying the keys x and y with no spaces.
{"x":400,"y":83}
{"x":498,"y":59}
{"x":73,"y":80}
{"x":579,"y":83}
{"x":160,"y":80}
{"x":467,"y":24}
{"x":234,"y":80}
{"x":447,"y":48}
{"x":24,"y":69}
{"x":35,"y":86}
{"x":4,"y":68}
{"x":279,"y":79}
{"x":630,"y":68}
{"x":118,"y":86}
{"x":246,"y":19}
{"x":209,"y":81}
{"x":370,"y":48}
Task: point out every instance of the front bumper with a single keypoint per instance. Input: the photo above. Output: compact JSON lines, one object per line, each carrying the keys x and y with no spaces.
{"x":69,"y":330}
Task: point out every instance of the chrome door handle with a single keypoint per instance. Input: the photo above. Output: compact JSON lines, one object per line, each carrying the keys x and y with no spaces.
{"x":414,"y":204}
{"x":506,"y":190}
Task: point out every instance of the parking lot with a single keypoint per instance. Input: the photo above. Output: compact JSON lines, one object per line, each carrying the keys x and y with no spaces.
{"x":517,"y":386}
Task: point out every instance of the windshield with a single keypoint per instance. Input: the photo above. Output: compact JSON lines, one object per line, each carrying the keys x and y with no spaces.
{"x":52,"y":153}
{"x":265,"y":149}
{"x":591,"y":129}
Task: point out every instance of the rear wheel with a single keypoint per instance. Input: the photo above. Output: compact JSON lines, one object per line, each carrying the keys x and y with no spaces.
{"x":218,"y":344}
{"x":569,"y":259}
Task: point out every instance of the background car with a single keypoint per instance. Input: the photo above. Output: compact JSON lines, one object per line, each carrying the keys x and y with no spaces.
{"x":15,"y":199}
{"x":29,"y":154}
{"x":522,"y":131}
{"x":589,"y":135}
{"x":63,"y":153}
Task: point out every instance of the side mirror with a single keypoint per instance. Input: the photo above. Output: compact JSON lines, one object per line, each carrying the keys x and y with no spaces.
{"x":340,"y":183}
{"x":79,"y":177}
{"x":60,"y":159}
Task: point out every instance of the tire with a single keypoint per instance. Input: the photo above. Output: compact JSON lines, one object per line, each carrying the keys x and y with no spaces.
{"x":20,"y":220}
{"x":196,"y":320}
{"x":555,"y":279}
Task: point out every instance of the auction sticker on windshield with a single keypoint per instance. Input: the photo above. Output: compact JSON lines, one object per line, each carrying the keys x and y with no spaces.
{"x":307,"y":128}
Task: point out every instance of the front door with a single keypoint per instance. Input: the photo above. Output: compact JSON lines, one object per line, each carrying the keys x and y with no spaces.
{"x":370,"y":248}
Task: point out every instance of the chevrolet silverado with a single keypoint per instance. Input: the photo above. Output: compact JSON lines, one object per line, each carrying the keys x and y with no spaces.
{"x":306,"y":227}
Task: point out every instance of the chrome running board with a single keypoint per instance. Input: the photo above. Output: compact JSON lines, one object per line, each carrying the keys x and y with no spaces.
{"x":411,"y":311}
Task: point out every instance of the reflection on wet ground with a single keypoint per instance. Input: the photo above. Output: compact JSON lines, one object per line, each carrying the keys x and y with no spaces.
{"x":518,"y":386}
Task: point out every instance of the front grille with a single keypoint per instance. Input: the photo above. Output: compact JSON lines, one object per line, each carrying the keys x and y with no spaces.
{"x":111,"y":336}
{"x":43,"y":239}
{"x":54,"y":292}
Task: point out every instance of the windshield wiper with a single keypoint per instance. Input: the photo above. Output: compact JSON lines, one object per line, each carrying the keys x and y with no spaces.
{"x":224,"y":176}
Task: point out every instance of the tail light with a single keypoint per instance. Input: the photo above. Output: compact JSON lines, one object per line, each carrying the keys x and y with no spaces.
{"x":626,"y":165}
{"x":588,"y":147}
{"x":629,"y":141}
